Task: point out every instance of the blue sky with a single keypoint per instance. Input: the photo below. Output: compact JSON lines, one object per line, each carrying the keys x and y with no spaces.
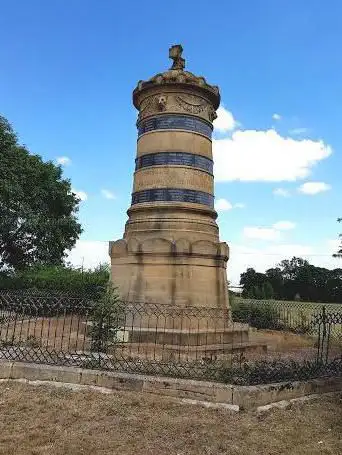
{"x":68,"y":69}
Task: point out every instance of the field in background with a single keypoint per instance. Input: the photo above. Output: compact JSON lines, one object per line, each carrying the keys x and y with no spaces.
{"x":295,"y":313}
{"x":310,"y":307}
{"x":47,"y":421}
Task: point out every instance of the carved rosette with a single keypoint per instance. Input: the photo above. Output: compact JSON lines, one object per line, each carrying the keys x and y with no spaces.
{"x":177,"y":103}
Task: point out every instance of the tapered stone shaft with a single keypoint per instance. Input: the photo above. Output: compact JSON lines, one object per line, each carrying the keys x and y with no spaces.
{"x":170,"y":252}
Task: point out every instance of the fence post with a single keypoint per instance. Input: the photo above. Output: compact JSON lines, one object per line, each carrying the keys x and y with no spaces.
{"x":321,"y":334}
{"x":14,"y":328}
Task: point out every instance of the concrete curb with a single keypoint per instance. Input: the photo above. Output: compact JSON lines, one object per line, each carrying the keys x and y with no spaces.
{"x":208,"y":394}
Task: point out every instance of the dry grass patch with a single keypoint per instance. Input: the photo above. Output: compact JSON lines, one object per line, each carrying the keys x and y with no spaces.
{"x":65,"y":333}
{"x":47,"y":421}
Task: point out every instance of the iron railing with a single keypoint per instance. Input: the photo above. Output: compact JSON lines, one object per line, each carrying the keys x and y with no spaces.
{"x":255,"y":342}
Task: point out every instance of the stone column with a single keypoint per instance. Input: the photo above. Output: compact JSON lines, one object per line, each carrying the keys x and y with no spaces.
{"x":170,"y":252}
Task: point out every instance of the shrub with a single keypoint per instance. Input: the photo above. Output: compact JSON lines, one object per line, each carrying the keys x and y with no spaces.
{"x":277,"y":370}
{"x":62,"y":280}
{"x":258,"y":315}
{"x":107,"y":318}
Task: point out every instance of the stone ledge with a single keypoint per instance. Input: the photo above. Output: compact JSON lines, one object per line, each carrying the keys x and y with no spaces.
{"x":209,"y":394}
{"x":286,"y":403}
{"x":251,"y":397}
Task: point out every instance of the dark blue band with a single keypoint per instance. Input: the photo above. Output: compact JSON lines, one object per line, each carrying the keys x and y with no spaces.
{"x":173,"y":195}
{"x":176,"y":159}
{"x":175,"y":122}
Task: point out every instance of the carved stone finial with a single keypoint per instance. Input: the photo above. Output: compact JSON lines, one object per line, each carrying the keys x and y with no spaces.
{"x":175,"y":53}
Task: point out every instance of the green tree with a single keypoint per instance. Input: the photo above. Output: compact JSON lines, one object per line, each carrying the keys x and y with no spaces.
{"x":339,"y":252}
{"x":290,"y":268}
{"x":291,"y":278}
{"x":258,"y":292}
{"x":252,"y":283}
{"x":275,"y":278}
{"x":267,"y":290}
{"x":37,"y":207}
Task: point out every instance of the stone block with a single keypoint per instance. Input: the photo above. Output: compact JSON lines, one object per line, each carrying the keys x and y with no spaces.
{"x":223,"y":393}
{"x":322,"y":385}
{"x":89,"y":377}
{"x":5,"y":369}
{"x":250,"y":397}
{"x":118,"y":248}
{"x":179,"y":141}
{"x":157,"y":245}
{"x":180,"y":388}
{"x":181,"y":177}
{"x":33,"y":372}
{"x":120,"y":381}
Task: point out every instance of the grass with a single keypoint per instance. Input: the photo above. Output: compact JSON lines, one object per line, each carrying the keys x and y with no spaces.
{"x":47,"y":421}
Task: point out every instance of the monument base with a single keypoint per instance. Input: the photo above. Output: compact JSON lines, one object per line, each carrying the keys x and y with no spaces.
{"x":185,"y":345}
{"x":176,"y":301}
{"x":176,"y":273}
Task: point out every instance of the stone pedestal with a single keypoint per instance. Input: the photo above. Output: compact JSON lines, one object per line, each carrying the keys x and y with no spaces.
{"x":170,"y":252}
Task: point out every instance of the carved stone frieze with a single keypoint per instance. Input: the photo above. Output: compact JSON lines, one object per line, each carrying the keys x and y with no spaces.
{"x":189,"y":104}
{"x":177,"y":103}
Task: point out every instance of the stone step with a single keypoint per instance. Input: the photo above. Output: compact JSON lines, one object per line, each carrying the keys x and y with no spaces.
{"x":178,"y":337}
{"x":194,"y":352}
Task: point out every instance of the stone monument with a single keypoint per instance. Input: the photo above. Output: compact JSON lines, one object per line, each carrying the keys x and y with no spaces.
{"x":170,"y":252}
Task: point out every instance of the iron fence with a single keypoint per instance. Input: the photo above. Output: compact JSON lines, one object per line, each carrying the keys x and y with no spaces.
{"x":255,"y":342}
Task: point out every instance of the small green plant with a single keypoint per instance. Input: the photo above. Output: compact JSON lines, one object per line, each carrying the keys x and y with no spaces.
{"x":32,"y":342}
{"x":6,"y":343}
{"x":107,"y":318}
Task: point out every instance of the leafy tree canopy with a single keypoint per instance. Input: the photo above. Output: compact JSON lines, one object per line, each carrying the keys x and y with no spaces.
{"x":37,"y":207}
{"x":339,"y":252}
{"x":294,"y":279}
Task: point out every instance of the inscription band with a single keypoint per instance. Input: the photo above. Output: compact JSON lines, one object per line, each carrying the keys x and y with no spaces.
{"x":174,"y":158}
{"x":173,"y":195}
{"x":171,"y":122}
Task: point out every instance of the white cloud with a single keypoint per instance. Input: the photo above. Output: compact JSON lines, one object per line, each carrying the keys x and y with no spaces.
{"x":63,"y":160}
{"x":261,"y":233}
{"x":314,"y":187}
{"x":271,"y":233}
{"x":224,"y":121}
{"x":284,"y":225}
{"x":252,"y":155}
{"x":299,"y":131}
{"x":276,"y":117}
{"x":334,"y":245}
{"x":222,"y":205}
{"x":88,"y":253}
{"x":80,"y":194}
{"x":108,"y":194}
{"x":281,"y":192}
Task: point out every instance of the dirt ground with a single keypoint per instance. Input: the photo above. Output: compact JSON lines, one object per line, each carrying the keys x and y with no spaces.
{"x":47,"y":421}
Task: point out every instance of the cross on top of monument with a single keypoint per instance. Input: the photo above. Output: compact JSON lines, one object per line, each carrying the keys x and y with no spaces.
{"x":175,"y":53}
